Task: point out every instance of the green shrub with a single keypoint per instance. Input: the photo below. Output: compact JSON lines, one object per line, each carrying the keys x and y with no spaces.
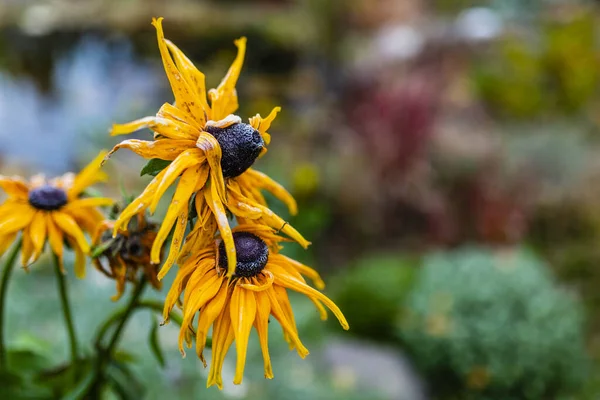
{"x":493,"y":325}
{"x":371,"y":292}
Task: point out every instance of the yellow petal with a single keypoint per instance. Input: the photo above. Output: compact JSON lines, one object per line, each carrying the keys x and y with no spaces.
{"x":26,"y":249}
{"x":185,"y":97}
{"x":203,"y":292}
{"x":79,"y":259}
{"x":243,"y":312}
{"x":88,"y":176}
{"x":167,"y":149}
{"x":178,"y":210}
{"x":14,"y":187}
{"x":37,"y":231}
{"x":304,"y":270}
{"x":169,"y":128}
{"x":20,"y":216}
{"x":262,"y":181}
{"x":263,"y":124}
{"x":222,"y":338}
{"x":212,"y":151}
{"x":68,"y":225}
{"x":185,"y":160}
{"x":208,"y":315}
{"x":283,"y":278}
{"x":194,"y":77}
{"x":6,"y":241}
{"x":211,"y":197}
{"x":139,"y":204}
{"x":224,"y":97}
{"x":261,"y":324}
{"x":169,"y":111}
{"x":88,"y":202}
{"x":55,"y":238}
{"x":290,"y":332}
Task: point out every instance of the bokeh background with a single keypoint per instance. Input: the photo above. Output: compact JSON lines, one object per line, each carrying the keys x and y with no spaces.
{"x":444,"y":154}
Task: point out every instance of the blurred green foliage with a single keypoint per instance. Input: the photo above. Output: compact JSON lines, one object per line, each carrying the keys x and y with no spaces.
{"x":487,"y":324}
{"x":370,"y":293}
{"x":556,"y":73}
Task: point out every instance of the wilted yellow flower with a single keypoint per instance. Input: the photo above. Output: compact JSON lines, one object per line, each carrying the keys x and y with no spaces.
{"x":121,"y":257}
{"x":256,"y":291}
{"x":52,"y":209}
{"x":211,"y":150}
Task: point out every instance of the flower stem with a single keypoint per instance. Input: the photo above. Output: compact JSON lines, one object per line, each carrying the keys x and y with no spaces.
{"x":8,"y":267}
{"x":66,"y":307}
{"x":139,"y":289}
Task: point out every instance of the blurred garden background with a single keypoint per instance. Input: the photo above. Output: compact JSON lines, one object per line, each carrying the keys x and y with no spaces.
{"x":444,"y":154}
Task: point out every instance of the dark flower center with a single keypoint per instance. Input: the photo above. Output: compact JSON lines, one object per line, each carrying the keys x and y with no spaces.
{"x":47,"y":198}
{"x":240,"y":145}
{"x":252,"y":254}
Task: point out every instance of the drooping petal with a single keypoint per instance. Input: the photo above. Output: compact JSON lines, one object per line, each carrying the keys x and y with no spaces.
{"x":139,"y":204}
{"x":6,"y":241}
{"x":26,"y":249}
{"x":168,"y":128}
{"x":79,"y":258}
{"x":68,"y":225}
{"x":204,"y":291}
{"x":286,"y":307}
{"x":283,"y":278}
{"x":185,"y":96}
{"x":14,"y":187}
{"x":208,"y":315}
{"x":212,"y":151}
{"x":211,"y":197}
{"x":243,"y":313}
{"x":222,"y":338}
{"x":177,"y":211}
{"x":164,"y":149}
{"x":88,"y":176}
{"x":290,"y":332}
{"x":37,"y":232}
{"x":185,"y":160}
{"x":303,"y":269}
{"x":55,"y":238}
{"x":261,"y":324}
{"x":262,"y":181}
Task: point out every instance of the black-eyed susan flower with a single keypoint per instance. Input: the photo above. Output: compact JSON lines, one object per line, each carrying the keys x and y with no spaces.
{"x":210,"y":150}
{"x":52,"y":210}
{"x":123,"y":257}
{"x":232,"y":306}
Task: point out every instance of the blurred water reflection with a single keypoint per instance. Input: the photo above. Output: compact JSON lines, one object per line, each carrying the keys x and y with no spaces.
{"x":91,"y":86}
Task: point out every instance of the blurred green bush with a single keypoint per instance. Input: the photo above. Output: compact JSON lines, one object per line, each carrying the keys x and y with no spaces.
{"x":371,"y":292}
{"x":487,"y":324}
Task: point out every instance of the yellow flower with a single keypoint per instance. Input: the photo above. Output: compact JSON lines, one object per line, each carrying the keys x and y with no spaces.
{"x":210,"y":150}
{"x":256,"y":291}
{"x":52,"y":209}
{"x":120,"y":258}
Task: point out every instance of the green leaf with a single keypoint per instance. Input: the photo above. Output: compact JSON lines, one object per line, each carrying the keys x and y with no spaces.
{"x":126,"y":385}
{"x":155,"y":345}
{"x":97,"y":251}
{"x":60,"y":378}
{"x":82,"y":388}
{"x":154,"y":166}
{"x":27,"y":361}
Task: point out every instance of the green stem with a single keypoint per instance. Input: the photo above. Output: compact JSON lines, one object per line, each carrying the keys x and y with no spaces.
{"x":8,"y":267}
{"x":66,"y":307}
{"x":118,"y":315}
{"x":133,"y":301}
